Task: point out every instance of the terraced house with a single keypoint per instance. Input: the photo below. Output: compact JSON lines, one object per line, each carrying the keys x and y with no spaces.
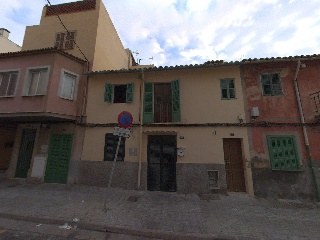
{"x":43,"y":89}
{"x":282,"y":102}
{"x":249,"y":126}
{"x":187,"y":134}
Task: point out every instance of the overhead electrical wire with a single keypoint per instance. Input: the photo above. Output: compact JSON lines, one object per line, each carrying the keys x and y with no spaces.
{"x":68,"y":32}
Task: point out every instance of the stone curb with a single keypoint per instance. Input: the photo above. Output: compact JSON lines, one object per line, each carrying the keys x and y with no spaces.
{"x":149,"y":233}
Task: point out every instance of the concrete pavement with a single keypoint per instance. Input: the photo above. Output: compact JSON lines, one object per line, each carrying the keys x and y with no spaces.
{"x":158,"y":214}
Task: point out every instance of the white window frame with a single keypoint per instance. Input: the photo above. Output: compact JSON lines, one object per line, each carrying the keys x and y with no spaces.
{"x":75,"y":85}
{"x":17,"y":83}
{"x":28,"y":80}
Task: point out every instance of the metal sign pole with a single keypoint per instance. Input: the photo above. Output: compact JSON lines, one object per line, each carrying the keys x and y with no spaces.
{"x":114,"y":162}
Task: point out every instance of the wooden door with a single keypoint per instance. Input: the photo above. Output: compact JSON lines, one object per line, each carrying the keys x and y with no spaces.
{"x":162,"y":103}
{"x":25,"y":152}
{"x":234,"y":165}
{"x":162,"y":159}
{"x":58,"y":158}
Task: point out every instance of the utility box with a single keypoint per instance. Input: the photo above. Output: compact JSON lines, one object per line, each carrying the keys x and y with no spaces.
{"x":38,"y":168}
{"x":181,"y":151}
{"x":255,"y":112}
{"x":213,"y":179}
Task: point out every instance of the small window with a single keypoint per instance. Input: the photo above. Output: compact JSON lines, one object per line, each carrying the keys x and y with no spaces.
{"x":227,"y":88}
{"x":283,"y":153}
{"x":8,"y":82}
{"x":65,"y":40}
{"x":111,"y":143}
{"x":271,"y":84}
{"x":118,"y":93}
{"x":68,"y":85}
{"x":37,"y":82}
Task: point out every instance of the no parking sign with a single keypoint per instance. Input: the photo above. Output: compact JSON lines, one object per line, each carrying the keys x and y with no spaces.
{"x":125,"y":119}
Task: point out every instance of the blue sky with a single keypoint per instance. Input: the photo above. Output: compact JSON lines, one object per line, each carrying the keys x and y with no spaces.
{"x":179,"y":32}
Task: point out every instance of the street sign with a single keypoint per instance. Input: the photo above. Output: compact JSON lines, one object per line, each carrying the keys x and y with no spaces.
{"x":121,"y":132}
{"x":125,"y":119}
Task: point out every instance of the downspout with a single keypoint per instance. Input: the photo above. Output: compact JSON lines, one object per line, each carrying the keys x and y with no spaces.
{"x":84,"y":104}
{"x":140,"y":130}
{"x":305,"y":134}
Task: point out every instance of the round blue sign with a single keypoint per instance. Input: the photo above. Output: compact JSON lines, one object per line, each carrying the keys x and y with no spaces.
{"x":125,"y":119}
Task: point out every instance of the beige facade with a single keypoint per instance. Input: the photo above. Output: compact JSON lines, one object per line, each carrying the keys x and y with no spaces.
{"x":200,"y":134}
{"x":94,"y":34}
{"x":6,"y":45}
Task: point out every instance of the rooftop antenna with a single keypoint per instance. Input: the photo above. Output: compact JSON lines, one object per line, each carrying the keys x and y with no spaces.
{"x":137,"y":53}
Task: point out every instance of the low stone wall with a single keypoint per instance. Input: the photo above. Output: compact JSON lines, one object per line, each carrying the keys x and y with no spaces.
{"x":191,"y":178}
{"x":286,"y":185}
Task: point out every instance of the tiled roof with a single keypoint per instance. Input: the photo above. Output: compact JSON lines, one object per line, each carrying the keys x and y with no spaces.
{"x":71,"y":7}
{"x":214,"y":63}
{"x":40,"y":51}
{"x":281,"y":59}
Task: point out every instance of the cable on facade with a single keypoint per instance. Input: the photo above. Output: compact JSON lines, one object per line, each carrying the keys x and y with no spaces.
{"x":68,"y":32}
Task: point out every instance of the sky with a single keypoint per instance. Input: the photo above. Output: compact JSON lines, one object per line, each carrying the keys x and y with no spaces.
{"x":183,"y":32}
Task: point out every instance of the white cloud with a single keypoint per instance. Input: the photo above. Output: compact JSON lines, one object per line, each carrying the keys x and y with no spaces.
{"x":201,"y":30}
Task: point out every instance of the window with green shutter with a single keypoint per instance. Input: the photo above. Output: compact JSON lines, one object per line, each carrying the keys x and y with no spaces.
{"x":148,"y":103}
{"x":283,"y":153}
{"x":119,"y":93}
{"x":271,"y":84}
{"x":227,"y":88}
{"x":162,"y":102}
{"x":175,"y":88}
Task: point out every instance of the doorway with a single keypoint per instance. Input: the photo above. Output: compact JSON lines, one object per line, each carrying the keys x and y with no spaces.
{"x":234,"y":165}
{"x":162,"y":158}
{"x":25,"y":153}
{"x":58,"y":158}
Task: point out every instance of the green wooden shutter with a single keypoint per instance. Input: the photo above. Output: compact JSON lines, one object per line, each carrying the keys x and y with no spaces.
{"x":148,"y":103}
{"x":129,"y":93}
{"x":108,"y":93}
{"x":175,"y":88}
{"x":283,"y":153}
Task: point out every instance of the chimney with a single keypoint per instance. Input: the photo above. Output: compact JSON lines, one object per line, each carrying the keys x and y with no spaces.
{"x":4,"y":32}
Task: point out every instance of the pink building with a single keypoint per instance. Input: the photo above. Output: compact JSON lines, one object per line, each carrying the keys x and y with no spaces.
{"x":41,"y":100}
{"x":274,"y":88}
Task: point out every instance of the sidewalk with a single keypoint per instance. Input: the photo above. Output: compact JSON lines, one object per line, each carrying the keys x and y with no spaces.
{"x":158,"y":214}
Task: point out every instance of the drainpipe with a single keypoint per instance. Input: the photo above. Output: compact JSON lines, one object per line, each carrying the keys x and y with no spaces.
{"x":305,"y":134}
{"x":140,"y":133}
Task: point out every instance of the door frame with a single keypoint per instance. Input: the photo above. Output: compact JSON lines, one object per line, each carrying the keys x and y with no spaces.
{"x":23,"y":131}
{"x":244,"y":187}
{"x":161,"y":164}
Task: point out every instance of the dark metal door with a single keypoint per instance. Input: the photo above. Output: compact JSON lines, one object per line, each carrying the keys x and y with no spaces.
{"x":162,"y":160}
{"x":234,"y":165}
{"x":25,"y":152}
{"x":58,"y":158}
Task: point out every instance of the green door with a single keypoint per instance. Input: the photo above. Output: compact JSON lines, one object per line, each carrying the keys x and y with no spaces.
{"x":58,"y":158}
{"x":25,"y":152}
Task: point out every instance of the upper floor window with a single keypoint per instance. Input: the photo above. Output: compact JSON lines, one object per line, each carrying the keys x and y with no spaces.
{"x":271,"y":84}
{"x":8,"y":82}
{"x":227,"y":88}
{"x":37,"y":81}
{"x":68,"y":85}
{"x":118,"y":93}
{"x":65,"y":40}
{"x":161,"y":102}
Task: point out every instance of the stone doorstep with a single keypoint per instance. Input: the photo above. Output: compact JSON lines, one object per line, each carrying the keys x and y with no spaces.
{"x":149,"y":233}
